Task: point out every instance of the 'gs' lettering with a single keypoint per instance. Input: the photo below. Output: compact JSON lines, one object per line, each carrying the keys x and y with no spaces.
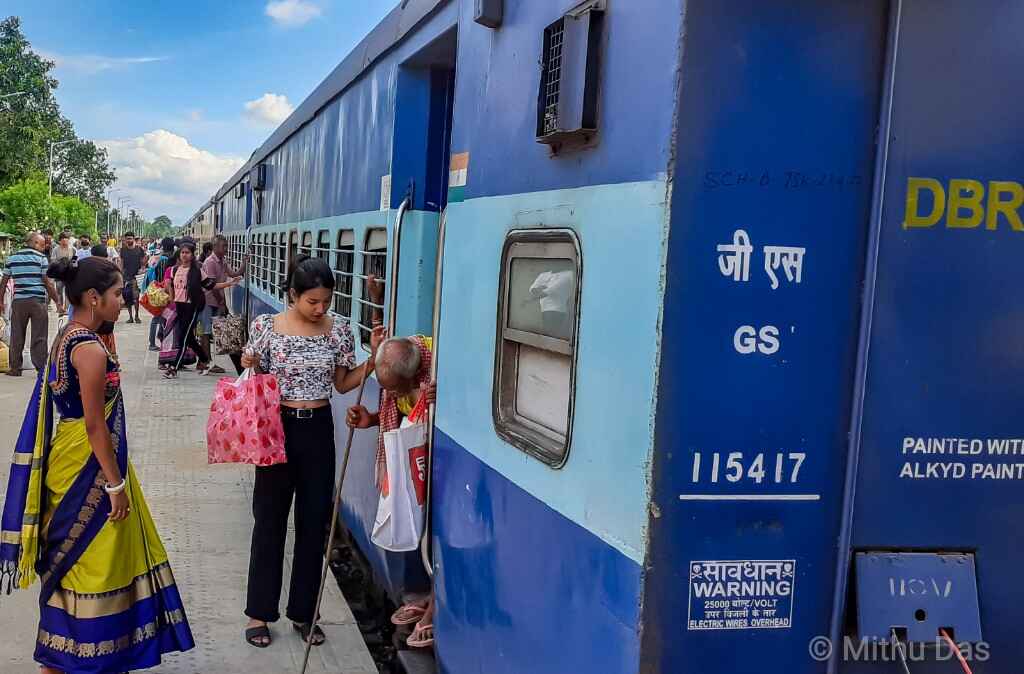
{"x":964,"y":204}
{"x":747,"y":340}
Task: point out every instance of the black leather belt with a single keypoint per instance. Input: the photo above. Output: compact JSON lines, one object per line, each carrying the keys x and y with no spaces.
{"x":309,"y":413}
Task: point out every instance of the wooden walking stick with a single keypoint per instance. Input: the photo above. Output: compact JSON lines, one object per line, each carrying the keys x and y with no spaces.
{"x":334,"y":517}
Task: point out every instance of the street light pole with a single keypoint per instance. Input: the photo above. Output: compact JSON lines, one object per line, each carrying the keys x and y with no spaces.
{"x":107,"y":213}
{"x":50,"y":172}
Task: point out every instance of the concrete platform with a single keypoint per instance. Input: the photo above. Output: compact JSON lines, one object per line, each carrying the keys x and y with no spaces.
{"x":204,"y":517}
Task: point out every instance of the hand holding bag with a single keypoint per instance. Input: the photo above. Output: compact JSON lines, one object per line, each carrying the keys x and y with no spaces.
{"x":398,"y":525}
{"x":245,"y":421}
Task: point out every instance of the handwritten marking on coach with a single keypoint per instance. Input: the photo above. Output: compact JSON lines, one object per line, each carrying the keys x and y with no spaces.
{"x":975,"y":458}
{"x":741,"y":594}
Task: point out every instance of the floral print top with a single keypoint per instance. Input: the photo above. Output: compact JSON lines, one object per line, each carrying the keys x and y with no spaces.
{"x":304,"y":366}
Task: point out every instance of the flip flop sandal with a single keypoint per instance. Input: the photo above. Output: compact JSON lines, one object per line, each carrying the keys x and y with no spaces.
{"x":318,"y":635}
{"x":417,"y":638}
{"x":252,"y":634}
{"x":408,"y":614}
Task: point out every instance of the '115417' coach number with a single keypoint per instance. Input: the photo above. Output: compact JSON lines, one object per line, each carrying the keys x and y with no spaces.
{"x":777,"y":468}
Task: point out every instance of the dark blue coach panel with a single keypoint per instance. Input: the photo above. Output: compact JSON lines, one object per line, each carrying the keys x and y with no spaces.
{"x":941,"y":465}
{"x":771,"y":204}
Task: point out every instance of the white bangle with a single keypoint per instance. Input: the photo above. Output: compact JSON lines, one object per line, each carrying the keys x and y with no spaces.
{"x":116,"y":489}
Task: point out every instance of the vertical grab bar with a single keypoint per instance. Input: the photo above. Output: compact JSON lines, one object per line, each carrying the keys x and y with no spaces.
{"x":425,"y":547}
{"x":396,"y":253}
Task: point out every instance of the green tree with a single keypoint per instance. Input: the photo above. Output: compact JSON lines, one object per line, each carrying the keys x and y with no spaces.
{"x":159,"y":228}
{"x":26,"y":206}
{"x":29,"y":123}
{"x":73,"y":214}
{"x":80,"y":169}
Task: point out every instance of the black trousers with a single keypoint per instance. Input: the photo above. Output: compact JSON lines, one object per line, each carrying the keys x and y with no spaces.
{"x":185,"y":332}
{"x":309,"y":475}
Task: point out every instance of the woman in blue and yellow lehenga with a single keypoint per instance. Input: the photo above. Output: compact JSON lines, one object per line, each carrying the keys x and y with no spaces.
{"x":75,"y":516}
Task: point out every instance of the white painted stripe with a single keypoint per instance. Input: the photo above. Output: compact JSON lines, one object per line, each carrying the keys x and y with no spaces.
{"x":750,"y":497}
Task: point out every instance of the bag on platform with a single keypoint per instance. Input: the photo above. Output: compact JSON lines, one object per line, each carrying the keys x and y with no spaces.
{"x":158,"y":296}
{"x":5,"y":357}
{"x":398,"y":525}
{"x":245,"y":421}
{"x":229,"y":334}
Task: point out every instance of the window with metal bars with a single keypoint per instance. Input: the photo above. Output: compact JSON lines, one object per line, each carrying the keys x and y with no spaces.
{"x":553,"y":39}
{"x":568,"y":96}
{"x":323,"y":245}
{"x":344,"y":266}
{"x":375,"y":256}
{"x":307,"y":243}
{"x":284,"y":257}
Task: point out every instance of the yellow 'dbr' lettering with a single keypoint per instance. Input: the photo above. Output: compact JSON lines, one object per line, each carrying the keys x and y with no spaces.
{"x":965,"y":195}
{"x":914,"y":187}
{"x":1008,"y":207}
{"x":965,"y":203}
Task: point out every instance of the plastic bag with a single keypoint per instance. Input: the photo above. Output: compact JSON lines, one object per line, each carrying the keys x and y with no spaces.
{"x":158,"y":297}
{"x":398,"y":525}
{"x":245,"y":421}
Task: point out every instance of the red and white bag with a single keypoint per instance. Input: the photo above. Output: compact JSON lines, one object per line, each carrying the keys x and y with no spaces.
{"x":245,"y":421}
{"x":398,"y":526}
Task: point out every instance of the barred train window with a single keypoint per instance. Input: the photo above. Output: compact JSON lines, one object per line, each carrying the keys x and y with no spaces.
{"x":374,"y":262}
{"x":272,"y":272}
{"x":307,"y":243}
{"x":284,"y":256}
{"x":535,"y":374}
{"x":261,"y":253}
{"x":344,"y":265}
{"x":323,"y":245}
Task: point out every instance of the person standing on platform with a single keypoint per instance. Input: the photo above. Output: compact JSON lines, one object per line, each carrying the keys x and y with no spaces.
{"x":216,"y":267}
{"x":31,"y":287}
{"x":75,"y":516}
{"x":84,"y":247}
{"x":62,"y":251}
{"x":132,"y":260}
{"x":311,"y":352}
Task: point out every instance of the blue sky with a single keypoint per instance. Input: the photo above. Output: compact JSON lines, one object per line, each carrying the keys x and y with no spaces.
{"x":181,"y":92}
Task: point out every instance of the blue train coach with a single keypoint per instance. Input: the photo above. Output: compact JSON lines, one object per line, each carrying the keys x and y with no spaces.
{"x":722,"y":292}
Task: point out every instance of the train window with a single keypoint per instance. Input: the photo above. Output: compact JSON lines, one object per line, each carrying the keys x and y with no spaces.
{"x":323,"y":245}
{"x":375,"y":257}
{"x":287,"y":250}
{"x":272,"y":264}
{"x":307,"y":243}
{"x":344,"y":265}
{"x":261,"y":262}
{"x":536,"y":342}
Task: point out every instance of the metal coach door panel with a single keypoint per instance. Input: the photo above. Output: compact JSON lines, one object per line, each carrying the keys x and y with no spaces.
{"x":941,"y":462}
{"x":771,"y":206}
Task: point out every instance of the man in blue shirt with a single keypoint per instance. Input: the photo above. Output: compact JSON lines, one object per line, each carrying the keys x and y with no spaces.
{"x":31,"y":287}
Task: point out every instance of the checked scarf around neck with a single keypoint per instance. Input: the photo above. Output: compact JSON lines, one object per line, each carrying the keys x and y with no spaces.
{"x":390,"y":417}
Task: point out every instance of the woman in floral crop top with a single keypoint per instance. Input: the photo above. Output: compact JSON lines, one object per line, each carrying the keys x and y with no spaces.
{"x":311,"y":351}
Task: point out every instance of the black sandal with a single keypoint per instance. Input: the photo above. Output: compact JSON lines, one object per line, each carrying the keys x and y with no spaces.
{"x":318,"y":636}
{"x":254,"y":633}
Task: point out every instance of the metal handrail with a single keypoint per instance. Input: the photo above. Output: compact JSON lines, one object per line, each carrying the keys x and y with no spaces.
{"x":396,"y":251}
{"x":425,"y":549}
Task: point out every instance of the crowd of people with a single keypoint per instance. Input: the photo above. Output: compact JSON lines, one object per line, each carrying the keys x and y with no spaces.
{"x":98,"y":544}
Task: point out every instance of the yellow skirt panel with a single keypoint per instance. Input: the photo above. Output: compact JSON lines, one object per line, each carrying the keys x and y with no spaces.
{"x":122,"y":551}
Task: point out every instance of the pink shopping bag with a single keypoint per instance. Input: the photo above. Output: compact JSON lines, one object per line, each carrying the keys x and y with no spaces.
{"x":245,"y":421}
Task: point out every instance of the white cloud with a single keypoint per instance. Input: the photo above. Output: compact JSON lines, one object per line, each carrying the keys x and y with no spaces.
{"x":269,"y":109}
{"x":163,"y":172}
{"x":292,"y":13}
{"x":92,"y":64}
